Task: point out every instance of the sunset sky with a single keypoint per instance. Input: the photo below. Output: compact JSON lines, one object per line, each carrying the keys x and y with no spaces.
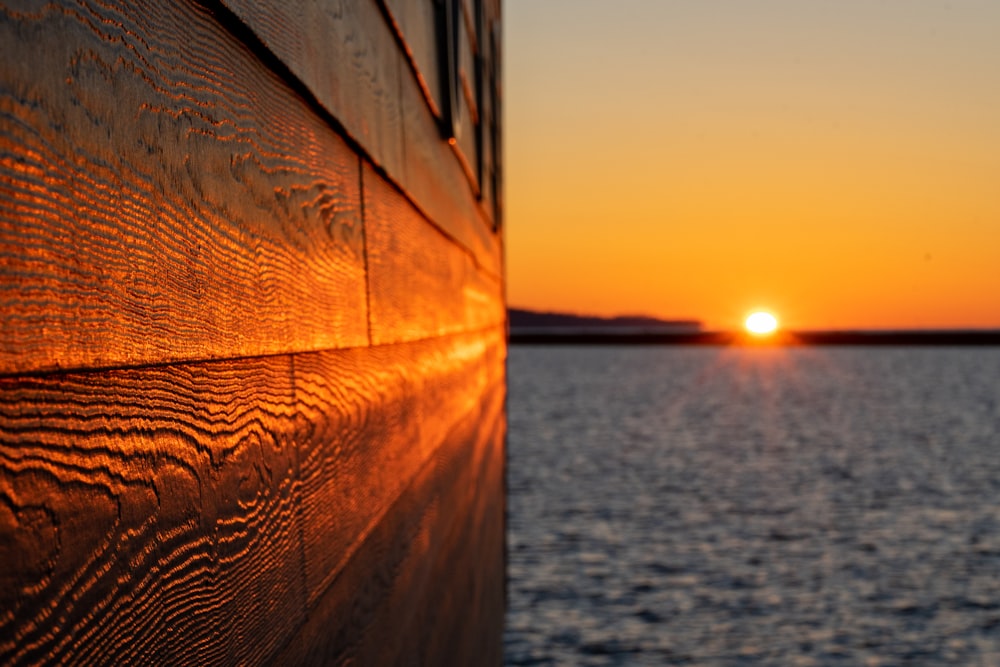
{"x":836,"y":161}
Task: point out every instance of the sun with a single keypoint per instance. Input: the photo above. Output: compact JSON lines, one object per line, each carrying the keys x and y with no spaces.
{"x":761,"y":323}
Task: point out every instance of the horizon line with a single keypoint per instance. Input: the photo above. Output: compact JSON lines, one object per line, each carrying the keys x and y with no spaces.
{"x":939,"y":337}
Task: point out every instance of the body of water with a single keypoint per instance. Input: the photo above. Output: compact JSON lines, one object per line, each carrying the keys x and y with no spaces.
{"x":753,"y":506}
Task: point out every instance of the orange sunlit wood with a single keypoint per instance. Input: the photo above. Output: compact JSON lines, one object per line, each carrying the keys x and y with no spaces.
{"x":253,"y":351}
{"x":159,"y":204}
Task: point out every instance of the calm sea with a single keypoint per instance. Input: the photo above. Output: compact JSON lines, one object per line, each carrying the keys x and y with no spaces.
{"x":733,"y":506}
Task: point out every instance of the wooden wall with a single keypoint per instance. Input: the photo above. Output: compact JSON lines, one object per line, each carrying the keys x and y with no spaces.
{"x":252,"y":350}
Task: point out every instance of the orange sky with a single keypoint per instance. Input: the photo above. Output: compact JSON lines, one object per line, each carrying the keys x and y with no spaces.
{"x":835,"y":161}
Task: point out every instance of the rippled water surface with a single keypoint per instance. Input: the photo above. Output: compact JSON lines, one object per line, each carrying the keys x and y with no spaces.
{"x":728,"y":506}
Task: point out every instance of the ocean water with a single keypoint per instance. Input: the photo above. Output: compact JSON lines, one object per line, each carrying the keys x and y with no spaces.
{"x":763,"y":506}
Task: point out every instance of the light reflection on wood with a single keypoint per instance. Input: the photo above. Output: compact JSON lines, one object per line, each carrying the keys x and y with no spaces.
{"x":147,"y":511}
{"x":203,"y":459}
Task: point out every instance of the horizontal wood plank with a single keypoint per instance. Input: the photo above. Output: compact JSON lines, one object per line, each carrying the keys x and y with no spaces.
{"x":195,"y":513}
{"x":202,"y":460}
{"x":345,"y":53}
{"x":421,"y":283}
{"x":164,"y":196}
{"x":358,"y":455}
{"x":431,"y":571}
{"x":149,"y":516}
{"x":347,"y":57}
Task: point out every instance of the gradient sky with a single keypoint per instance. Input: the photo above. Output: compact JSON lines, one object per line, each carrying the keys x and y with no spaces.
{"x":836,"y":161}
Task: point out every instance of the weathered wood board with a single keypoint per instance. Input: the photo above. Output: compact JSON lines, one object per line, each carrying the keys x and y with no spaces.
{"x":420,"y":283}
{"x":346,"y":55}
{"x":435,"y":562}
{"x":196,"y":513}
{"x":390,"y":104}
{"x":160,"y":203}
{"x":150,"y":515}
{"x":412,"y":397}
{"x":252,"y":340}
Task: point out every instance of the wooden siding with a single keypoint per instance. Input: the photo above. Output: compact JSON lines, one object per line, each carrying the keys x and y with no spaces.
{"x":150,"y":515}
{"x":420,"y":283}
{"x":345,"y":53}
{"x":431,"y":569}
{"x":160,"y":203}
{"x":349,"y":45}
{"x":252,"y":349}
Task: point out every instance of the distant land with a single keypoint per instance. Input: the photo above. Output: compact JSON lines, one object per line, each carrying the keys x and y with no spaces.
{"x":535,"y":327}
{"x":525,"y":321}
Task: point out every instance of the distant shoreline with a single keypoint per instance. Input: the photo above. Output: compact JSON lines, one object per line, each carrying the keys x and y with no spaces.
{"x":785,"y":338}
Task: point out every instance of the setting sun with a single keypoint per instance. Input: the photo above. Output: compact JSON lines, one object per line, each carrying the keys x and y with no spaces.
{"x":761,"y":323}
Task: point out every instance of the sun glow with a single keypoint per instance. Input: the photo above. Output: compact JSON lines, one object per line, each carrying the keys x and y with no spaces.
{"x":761,"y":323}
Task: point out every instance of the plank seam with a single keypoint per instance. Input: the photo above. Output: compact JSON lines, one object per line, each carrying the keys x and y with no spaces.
{"x":364,"y":248}
{"x":245,"y":34}
{"x":299,"y":514}
{"x":55,"y":372}
{"x":402,"y":113}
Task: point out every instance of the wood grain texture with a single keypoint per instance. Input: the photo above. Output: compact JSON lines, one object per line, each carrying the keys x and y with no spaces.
{"x":345,"y":53}
{"x":213,"y":451}
{"x":420,"y":283}
{"x":356,"y":461}
{"x":431,"y":570}
{"x":201,"y":513}
{"x":165,"y":197}
{"x":149,"y":516}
